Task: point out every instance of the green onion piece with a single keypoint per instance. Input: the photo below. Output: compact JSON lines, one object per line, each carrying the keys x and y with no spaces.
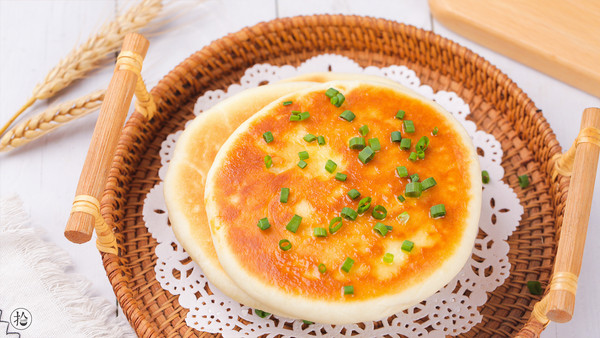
{"x":285,"y":244}
{"x":287,"y":103}
{"x":295,"y":112}
{"x":261,"y":313}
{"x":396,"y":136}
{"x":535,"y":287}
{"x":303,"y":155}
{"x":348,"y":263}
{"x":353,"y":194}
{"x":401,"y":198}
{"x":388,"y":258}
{"x":438,"y":210}
{"x":409,"y":126}
{"x":263,"y":224}
{"x":335,"y":224}
{"x":389,"y":227}
{"x":379,"y":212}
{"x":357,"y":143}
{"x":485,"y":177}
{"x":322,"y":268}
{"x":268,"y":162}
{"x":524,"y":181}
{"x":348,"y":290}
{"x":400,"y":114}
{"x":337,"y":100}
{"x":374,"y":144}
{"x":407,"y":246}
{"x":304,"y":115}
{"x":319,"y":232}
{"x":307,"y":322}
{"x":363,"y":130}
{"x":403,"y":218}
{"x":347,"y":115}
{"x":422,"y":144}
{"x":294,"y":117}
{"x":420,"y":154}
{"x":268,"y":136}
{"x":366,"y":155}
{"x":405,"y":144}
{"x":349,"y":213}
{"x":331,"y":92}
{"x":285,"y":193}
{"x":330,"y":166}
{"x":402,"y":171}
{"x":294,"y":223}
{"x":435,"y":131}
{"x":381,"y":229}
{"x":341,"y":177}
{"x":428,"y":183}
{"x":413,"y":189}
{"x":414,"y":178}
{"x":321,"y":140}
{"x":412,"y":156}
{"x":364,"y":205}
{"x":302,"y":164}
{"x":309,"y":138}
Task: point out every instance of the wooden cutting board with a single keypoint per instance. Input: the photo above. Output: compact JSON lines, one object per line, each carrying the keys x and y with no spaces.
{"x":558,"y":37}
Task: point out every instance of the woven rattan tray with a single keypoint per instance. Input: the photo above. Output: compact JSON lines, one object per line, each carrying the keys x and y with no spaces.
{"x":497,"y":106}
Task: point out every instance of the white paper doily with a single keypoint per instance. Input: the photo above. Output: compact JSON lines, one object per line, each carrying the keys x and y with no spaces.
{"x":451,"y":311}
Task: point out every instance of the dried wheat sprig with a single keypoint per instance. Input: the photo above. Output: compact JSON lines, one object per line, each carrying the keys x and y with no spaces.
{"x":87,"y":56}
{"x":50,"y":119}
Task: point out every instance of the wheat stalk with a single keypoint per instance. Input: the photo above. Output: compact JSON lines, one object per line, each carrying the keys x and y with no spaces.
{"x":91,"y":53}
{"x":50,"y":119}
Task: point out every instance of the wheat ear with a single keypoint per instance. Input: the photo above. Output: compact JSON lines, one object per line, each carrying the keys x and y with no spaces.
{"x":91,"y":53}
{"x":50,"y":119}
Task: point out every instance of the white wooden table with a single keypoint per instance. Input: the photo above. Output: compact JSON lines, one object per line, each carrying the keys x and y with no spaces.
{"x":34,"y":35}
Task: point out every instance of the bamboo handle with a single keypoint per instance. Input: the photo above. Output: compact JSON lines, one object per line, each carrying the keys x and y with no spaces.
{"x":563,"y":286}
{"x":104,"y":140}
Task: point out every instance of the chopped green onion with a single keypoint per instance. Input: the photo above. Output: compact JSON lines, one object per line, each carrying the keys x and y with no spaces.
{"x":268,"y":162}
{"x":403,"y":218}
{"x":524,"y":181}
{"x":268,"y":136}
{"x":321,"y":140}
{"x":428,"y":183}
{"x":396,"y":136}
{"x":401,"y":198}
{"x":388,"y":258}
{"x":405,"y":144}
{"x":438,"y":210}
{"x":357,"y":143}
{"x":338,"y":99}
{"x":422,"y":144}
{"x":309,"y":138}
{"x":261,"y":313}
{"x":307,"y":322}
{"x":364,"y":205}
{"x":366,"y":155}
{"x":535,"y":287}
{"x":296,"y":112}
{"x":302,"y":164}
{"x":379,"y":212}
{"x":287,"y":103}
{"x":294,"y":223}
{"x":435,"y":131}
{"x":420,"y":154}
{"x":381,"y":229}
{"x":285,"y":244}
{"x":407,"y":246}
{"x":348,"y":263}
{"x":303,"y":155}
{"x":400,"y":114}
{"x":414,"y":178}
{"x":285,"y":193}
{"x":349,"y":213}
{"x":347,"y":115}
{"x":263,"y":224}
{"x":413,"y":189}
{"x":319,"y":232}
{"x":353,"y":194}
{"x":485,"y":177}
{"x":331,"y":92}
{"x":294,"y":117}
{"x":330,"y":166}
{"x":409,"y":126}
{"x":363,"y":130}
{"x":412,"y":156}
{"x":304,"y":115}
{"x":341,"y":177}
{"x":348,"y":290}
{"x":374,"y":144}
{"x":335,"y":224}
{"x":402,"y":171}
{"x":322,"y":268}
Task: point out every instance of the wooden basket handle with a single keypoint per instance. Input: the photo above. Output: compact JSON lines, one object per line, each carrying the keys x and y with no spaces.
{"x":85,"y":214}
